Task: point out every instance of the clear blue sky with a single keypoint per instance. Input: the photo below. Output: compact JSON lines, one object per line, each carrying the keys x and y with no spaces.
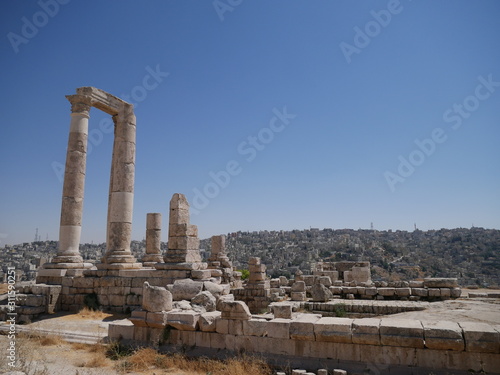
{"x":365,"y":81}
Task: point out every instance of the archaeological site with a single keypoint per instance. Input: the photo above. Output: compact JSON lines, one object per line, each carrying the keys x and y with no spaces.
{"x":330,"y":320}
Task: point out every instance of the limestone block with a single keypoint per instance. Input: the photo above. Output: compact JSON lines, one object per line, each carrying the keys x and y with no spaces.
{"x":403,"y":292}
{"x":222,"y":326}
{"x":235,"y":327}
{"x":419,"y":292}
{"x":455,"y":292}
{"x":298,"y":296}
{"x":416,"y":284}
{"x":349,"y":290}
{"x":333,"y":330}
{"x":183,"y":320}
{"x":218,"y":243}
{"x":206,"y":300}
{"x":278,"y":328}
{"x":186,"y":289}
{"x":83,"y":282}
{"x":115,"y":300}
{"x":282,"y":310}
{"x":440,"y":282}
{"x":121,"y":329}
{"x":366,"y":331}
{"x":299,"y":286}
{"x":215,"y":272}
{"x":283,"y":281}
{"x":338,"y":372}
{"x":138,"y":318}
{"x":336,"y":290}
{"x":156,"y":298}
{"x":480,"y":337}
{"x":325,"y":280}
{"x":235,"y":310}
{"x":386,"y":292}
{"x":156,"y":319}
{"x":445,"y":293}
{"x":182,"y":230}
{"x":298,"y":372}
{"x":302,"y":328}
{"x":434,"y":292}
{"x":402,"y":332}
{"x":323,"y":372}
{"x":201,"y":274}
{"x":320,"y":293}
{"x":183,"y":243}
{"x":275,"y":283}
{"x":207,"y":321}
{"x":443,"y":335}
{"x":255,"y":327}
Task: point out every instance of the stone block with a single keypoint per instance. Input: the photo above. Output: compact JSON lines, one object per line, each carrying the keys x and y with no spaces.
{"x":416,"y":284}
{"x":443,"y":335}
{"x":440,"y":282}
{"x":156,"y":319}
{"x":235,"y":327}
{"x":138,"y":318}
{"x":336,"y":290}
{"x":282,"y":310}
{"x":182,"y":230}
{"x":320,"y":293}
{"x":204,"y":299}
{"x":201,"y":274}
{"x":434,"y":292}
{"x":234,"y":310}
{"x":445,"y":293}
{"x":298,"y":296}
{"x":255,"y":327}
{"x":278,"y":328}
{"x":302,"y":328}
{"x":207,"y":321}
{"x":366,"y":331}
{"x":156,"y":298}
{"x":480,"y":337}
{"x":403,"y":292}
{"x":419,"y":292}
{"x":186,"y":289}
{"x":402,"y":332}
{"x":121,"y":329}
{"x":183,"y":320}
{"x":333,"y":330}
{"x":222,"y":326}
{"x":299,"y":286}
{"x":455,"y":292}
{"x":386,"y":292}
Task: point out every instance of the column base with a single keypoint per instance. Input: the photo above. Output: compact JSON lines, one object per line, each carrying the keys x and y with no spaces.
{"x":152,"y":258}
{"x":67,"y":266}
{"x":118,"y":266}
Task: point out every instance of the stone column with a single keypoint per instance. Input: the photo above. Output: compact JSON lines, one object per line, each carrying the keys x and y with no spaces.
{"x":153,"y":240}
{"x":68,"y":254}
{"x":121,"y":194}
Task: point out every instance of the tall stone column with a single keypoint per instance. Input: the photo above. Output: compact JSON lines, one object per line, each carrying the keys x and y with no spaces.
{"x":153,"y":240}
{"x":121,"y":194}
{"x":68,"y":254}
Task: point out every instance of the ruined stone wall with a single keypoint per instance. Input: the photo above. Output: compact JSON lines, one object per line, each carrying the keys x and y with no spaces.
{"x":353,"y":344}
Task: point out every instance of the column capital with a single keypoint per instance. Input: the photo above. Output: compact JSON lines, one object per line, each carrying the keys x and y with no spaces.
{"x":80,"y":104}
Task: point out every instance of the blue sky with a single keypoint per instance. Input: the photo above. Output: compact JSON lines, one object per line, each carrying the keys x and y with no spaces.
{"x":357,"y":85}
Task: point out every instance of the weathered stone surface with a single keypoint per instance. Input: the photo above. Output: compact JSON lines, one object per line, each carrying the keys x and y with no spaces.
{"x":156,"y":319}
{"x":278,"y":328}
{"x":440,"y":282}
{"x":206,"y":300}
{"x":302,"y":328}
{"x":443,"y":335}
{"x":386,"y":292}
{"x":480,"y":337}
{"x":234,"y":310}
{"x":138,"y":318}
{"x":183,"y":320}
{"x":186,"y":289}
{"x":207,"y":321}
{"x":366,"y":331}
{"x":402,"y":332}
{"x":255,"y":327}
{"x":419,"y":292}
{"x":320,"y":293}
{"x":299,"y":286}
{"x":333,"y":330}
{"x":298,"y":296}
{"x":282,"y":310}
{"x":156,"y":298}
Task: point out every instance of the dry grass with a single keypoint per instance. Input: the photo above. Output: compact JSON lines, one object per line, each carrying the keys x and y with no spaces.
{"x":4,"y":288}
{"x":87,"y":313}
{"x":147,"y":359}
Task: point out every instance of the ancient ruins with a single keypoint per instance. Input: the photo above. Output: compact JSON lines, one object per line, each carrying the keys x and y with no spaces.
{"x":178,"y":299}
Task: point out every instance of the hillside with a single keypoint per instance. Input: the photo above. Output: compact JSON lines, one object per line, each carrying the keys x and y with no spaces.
{"x":471,"y":255}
